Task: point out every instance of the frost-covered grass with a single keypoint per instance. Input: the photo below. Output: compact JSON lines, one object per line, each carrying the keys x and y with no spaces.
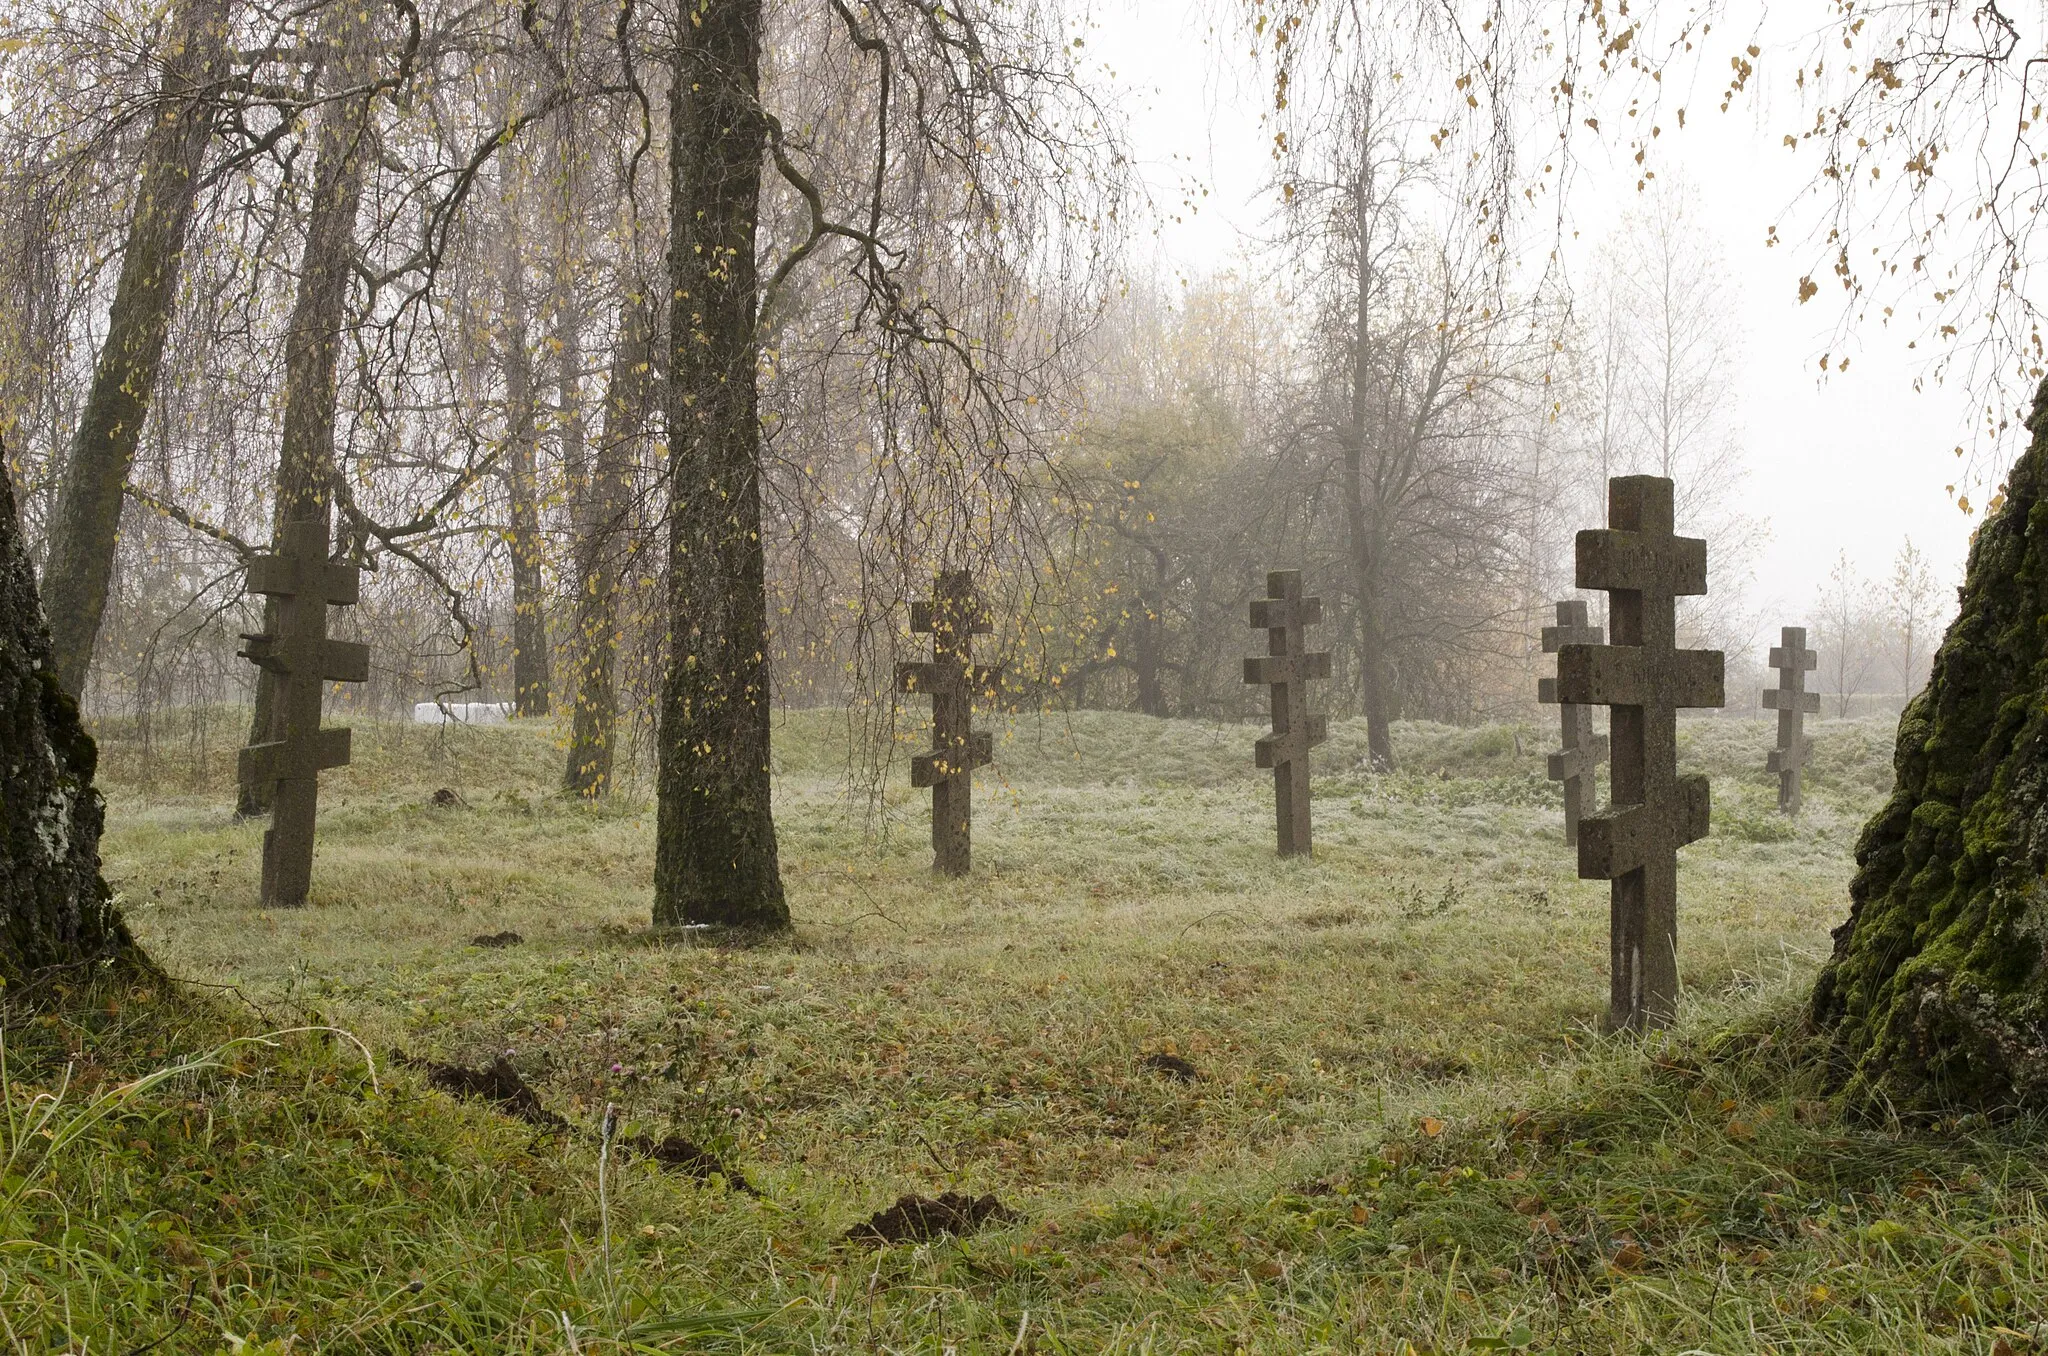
{"x":1405,"y":1132}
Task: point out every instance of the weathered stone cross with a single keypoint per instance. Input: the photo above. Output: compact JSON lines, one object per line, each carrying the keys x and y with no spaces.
{"x":1643,"y":678}
{"x":1284,"y":615}
{"x":304,"y":583}
{"x":1580,"y":751}
{"x":952,"y":679}
{"x":1792,"y":702}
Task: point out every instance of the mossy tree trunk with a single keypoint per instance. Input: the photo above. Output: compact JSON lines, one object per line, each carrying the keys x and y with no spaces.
{"x":715,"y":858}
{"x":1937,"y":994}
{"x":54,"y":908}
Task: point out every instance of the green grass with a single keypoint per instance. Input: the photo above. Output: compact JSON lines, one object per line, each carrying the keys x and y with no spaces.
{"x":1406,"y":1135}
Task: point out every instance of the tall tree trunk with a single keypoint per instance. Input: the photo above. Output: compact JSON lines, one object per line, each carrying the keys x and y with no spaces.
{"x":530,"y":680}
{"x":1937,"y":993}
{"x":87,"y":524}
{"x":715,"y":858}
{"x":1373,"y":682}
{"x":54,"y":908}
{"x":1148,"y":651}
{"x":601,"y":534}
{"x":312,"y":347}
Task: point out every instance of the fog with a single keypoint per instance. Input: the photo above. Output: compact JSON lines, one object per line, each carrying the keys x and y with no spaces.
{"x":1854,"y":461}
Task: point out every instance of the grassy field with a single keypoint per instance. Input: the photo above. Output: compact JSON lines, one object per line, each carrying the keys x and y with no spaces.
{"x":1405,"y":1134}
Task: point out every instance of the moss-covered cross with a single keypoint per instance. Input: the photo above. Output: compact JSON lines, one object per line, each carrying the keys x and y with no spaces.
{"x":1642,"y":677}
{"x":1286,"y":669}
{"x":953,"y":617}
{"x":304,"y":583}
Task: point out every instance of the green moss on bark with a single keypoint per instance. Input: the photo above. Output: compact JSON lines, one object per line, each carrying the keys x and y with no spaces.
{"x":1937,"y":994}
{"x":54,"y":908}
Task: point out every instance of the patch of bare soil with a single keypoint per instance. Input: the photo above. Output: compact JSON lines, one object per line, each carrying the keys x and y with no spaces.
{"x":497,"y":1083}
{"x":1173,"y":1066}
{"x":685,"y":1156}
{"x":919,"y":1219}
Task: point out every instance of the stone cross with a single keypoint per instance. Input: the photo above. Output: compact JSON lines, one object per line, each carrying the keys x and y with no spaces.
{"x":1286,"y":668}
{"x":1643,"y":678}
{"x":952,"y":679}
{"x":1580,"y":751}
{"x":1792,"y":702}
{"x":304,"y":583}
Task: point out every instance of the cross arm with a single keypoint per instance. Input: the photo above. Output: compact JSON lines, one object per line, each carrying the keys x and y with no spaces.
{"x":1274,"y":749}
{"x":1610,"y":558}
{"x":971,"y":620}
{"x":1556,"y":638}
{"x":335,"y":661}
{"x":1275,"y":614}
{"x":330,"y":581}
{"x":1803,"y":660}
{"x":261,"y":764}
{"x":1788,"y":760}
{"x":1286,"y":668}
{"x":1622,"y":838}
{"x":1778,"y":699}
{"x":1628,"y":675}
{"x":1577,"y":762}
{"x":929,"y":769}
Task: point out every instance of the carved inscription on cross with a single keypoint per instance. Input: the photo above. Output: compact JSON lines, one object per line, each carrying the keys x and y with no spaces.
{"x":1286,"y":669}
{"x":1792,"y":702}
{"x":1643,"y":678}
{"x":1580,"y":751}
{"x":304,"y":583}
{"x":952,"y":679}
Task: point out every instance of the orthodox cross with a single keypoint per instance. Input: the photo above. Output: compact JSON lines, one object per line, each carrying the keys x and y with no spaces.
{"x":1286,"y":668}
{"x":1642,"y":677}
{"x":1580,"y":751}
{"x":952,"y":618}
{"x":303,"y":583}
{"x":1792,"y":702}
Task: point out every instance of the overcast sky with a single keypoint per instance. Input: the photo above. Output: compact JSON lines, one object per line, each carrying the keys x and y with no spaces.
{"x":1857,"y":462}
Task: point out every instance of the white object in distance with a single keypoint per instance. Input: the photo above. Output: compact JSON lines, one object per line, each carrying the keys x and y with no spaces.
{"x":461,"y":713}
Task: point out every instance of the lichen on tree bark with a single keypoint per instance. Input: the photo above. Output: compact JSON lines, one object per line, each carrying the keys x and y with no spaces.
{"x":54,"y":908}
{"x":1937,"y":994}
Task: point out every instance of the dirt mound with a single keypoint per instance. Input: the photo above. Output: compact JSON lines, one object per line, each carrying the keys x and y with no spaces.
{"x":685,"y":1156}
{"x":495,"y":939}
{"x":1173,"y":1066}
{"x":497,"y":1083}
{"x":919,"y":1219}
